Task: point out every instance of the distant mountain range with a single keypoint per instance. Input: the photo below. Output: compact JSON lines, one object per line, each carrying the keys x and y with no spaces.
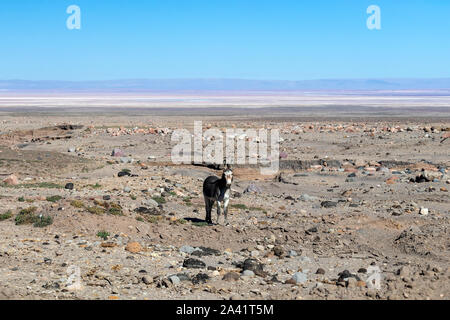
{"x":141,"y":85}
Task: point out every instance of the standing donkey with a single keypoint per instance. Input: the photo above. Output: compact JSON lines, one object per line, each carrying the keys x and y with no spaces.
{"x":218,"y":190}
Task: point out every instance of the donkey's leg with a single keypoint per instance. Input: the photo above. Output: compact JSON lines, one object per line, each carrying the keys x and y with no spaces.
{"x":208,"y":207}
{"x":225,"y":210}
{"x":219,"y":207}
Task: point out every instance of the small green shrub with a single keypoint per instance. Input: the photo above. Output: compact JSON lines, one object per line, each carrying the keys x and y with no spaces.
{"x":54,"y":198}
{"x":77,"y":204}
{"x":103,"y":234}
{"x":153,"y":219}
{"x":26,"y":216}
{"x":43,"y":185}
{"x":179,"y":221}
{"x":160,"y":200}
{"x":256,"y":209}
{"x":6,"y":215}
{"x":43,"y":221}
{"x":96,"y":210}
{"x":115,"y":211}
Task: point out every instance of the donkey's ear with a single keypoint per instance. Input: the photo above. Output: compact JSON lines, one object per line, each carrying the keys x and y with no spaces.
{"x":228,"y":166}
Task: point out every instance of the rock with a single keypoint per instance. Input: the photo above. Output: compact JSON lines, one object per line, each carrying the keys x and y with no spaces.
{"x":192,"y":263}
{"x":362,"y":270}
{"x":150,"y":203}
{"x":133,"y":247}
{"x":292,"y":253}
{"x":175,"y":280}
{"x":278,"y":251}
{"x":306,"y":197}
{"x":51,"y":286}
{"x":147,"y":280}
{"x":383,"y":170}
{"x":305,"y":259}
{"x":361,"y":284}
{"x":108,"y":245}
{"x":254,"y":253}
{"x":404,"y":271}
{"x":11,"y":180}
{"x":328,"y":204}
{"x":200,"y":278}
{"x":69,"y":186}
{"x":345,"y":275}
{"x":320,"y":271}
{"x":215,"y":273}
{"x":127,"y":189}
{"x":432,"y":175}
{"x":423,"y":211}
{"x":71,"y":150}
{"x":252,"y":188}
{"x":204,"y":251}
{"x":163,"y":283}
{"x":231,"y":276}
{"x":248,"y":273}
{"x":272,"y":239}
{"x":360,"y":163}
{"x":124,"y":174}
{"x":117,"y":153}
{"x":300,"y":277}
{"x":183,"y":277}
{"x":392,"y":180}
{"x":290,"y":281}
{"x":255,"y":266}
{"x":126,"y":160}
{"x":187,"y":249}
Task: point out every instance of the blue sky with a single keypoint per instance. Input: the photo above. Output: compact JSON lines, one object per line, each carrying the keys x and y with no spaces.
{"x":250,"y":39}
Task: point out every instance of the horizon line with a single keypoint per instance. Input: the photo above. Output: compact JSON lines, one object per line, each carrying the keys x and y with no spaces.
{"x":227,"y":78}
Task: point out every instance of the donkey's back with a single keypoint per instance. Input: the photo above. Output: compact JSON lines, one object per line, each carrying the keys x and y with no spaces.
{"x":210,"y":186}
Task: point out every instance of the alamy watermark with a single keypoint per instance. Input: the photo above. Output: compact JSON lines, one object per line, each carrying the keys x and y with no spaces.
{"x":374,"y":20}
{"x":73,"y":282}
{"x":213,"y":146}
{"x":374,"y":279}
{"x":74,"y":20}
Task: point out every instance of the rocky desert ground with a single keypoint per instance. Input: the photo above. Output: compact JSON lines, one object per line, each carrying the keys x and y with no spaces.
{"x":91,"y":207}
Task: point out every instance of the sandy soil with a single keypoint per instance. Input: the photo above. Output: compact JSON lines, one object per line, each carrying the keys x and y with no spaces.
{"x":343,"y":200}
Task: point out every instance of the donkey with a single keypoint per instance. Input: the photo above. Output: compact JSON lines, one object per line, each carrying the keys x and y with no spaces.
{"x":218,"y":190}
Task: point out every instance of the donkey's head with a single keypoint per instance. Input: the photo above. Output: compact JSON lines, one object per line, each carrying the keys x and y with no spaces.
{"x":228,"y":175}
